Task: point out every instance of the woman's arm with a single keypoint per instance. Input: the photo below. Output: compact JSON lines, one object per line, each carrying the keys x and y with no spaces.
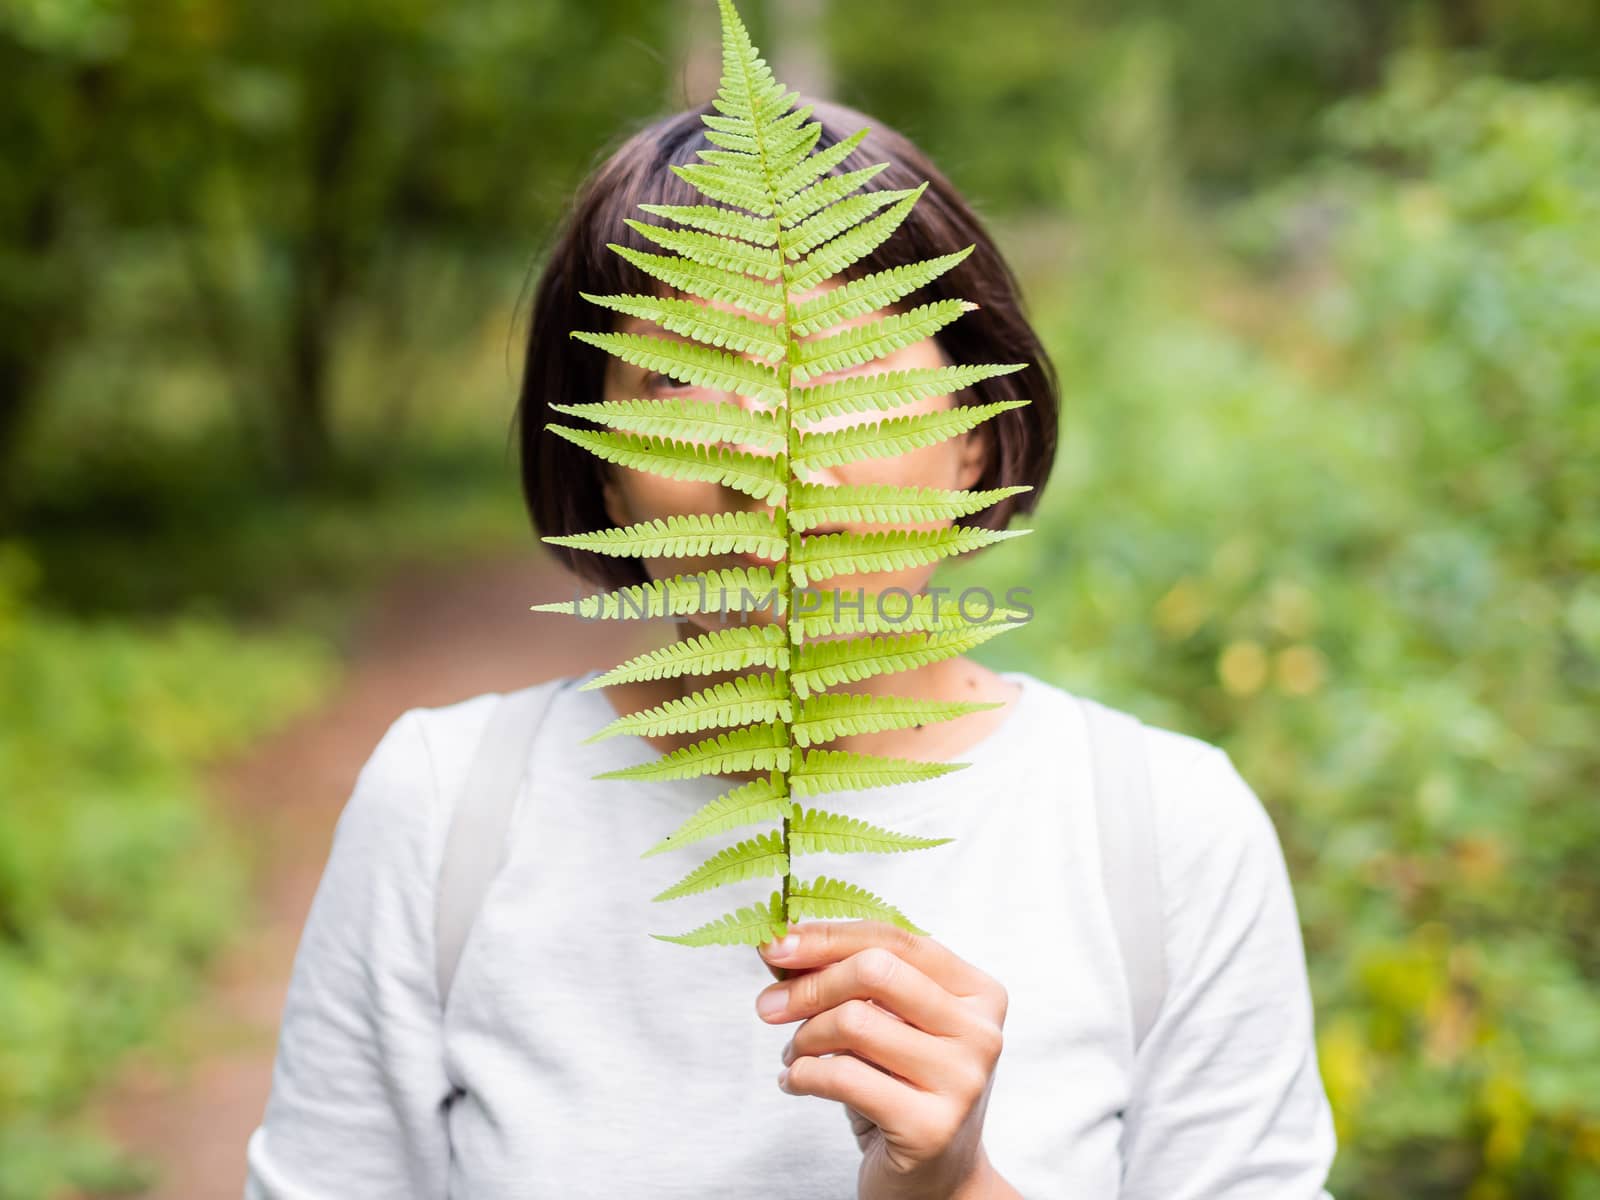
{"x":1228,"y":1103}
{"x":357,"y":1088}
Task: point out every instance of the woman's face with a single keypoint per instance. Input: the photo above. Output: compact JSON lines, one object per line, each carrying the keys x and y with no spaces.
{"x":632,"y":495}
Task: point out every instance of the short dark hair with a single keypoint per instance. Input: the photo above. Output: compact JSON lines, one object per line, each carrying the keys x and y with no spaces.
{"x":561,"y":482}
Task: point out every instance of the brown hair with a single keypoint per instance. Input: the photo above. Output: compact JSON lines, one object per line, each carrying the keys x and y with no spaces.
{"x":561,"y":482}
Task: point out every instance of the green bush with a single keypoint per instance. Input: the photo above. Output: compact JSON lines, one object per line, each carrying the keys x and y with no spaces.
{"x":116,"y":878}
{"x":1331,"y":500}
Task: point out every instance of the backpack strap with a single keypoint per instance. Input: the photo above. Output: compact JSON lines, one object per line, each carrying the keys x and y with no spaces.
{"x":1125,"y":818}
{"x":475,"y":847}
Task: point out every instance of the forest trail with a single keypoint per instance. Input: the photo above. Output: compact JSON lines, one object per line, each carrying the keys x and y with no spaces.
{"x":433,"y":636}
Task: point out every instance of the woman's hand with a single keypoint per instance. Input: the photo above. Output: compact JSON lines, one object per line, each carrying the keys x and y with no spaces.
{"x":914,"y":1034}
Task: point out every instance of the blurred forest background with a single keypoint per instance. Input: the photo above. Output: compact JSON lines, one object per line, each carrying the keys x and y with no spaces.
{"x":1322,"y":280}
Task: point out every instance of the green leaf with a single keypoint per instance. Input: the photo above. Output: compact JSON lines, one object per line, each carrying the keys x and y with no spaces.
{"x":875,"y":339}
{"x":826,"y":612}
{"x":824,"y":192}
{"x":870,"y":293}
{"x":820,"y":665}
{"x":829,"y":260}
{"x":713,"y":219}
{"x":893,"y":435}
{"x":752,"y":748}
{"x":680,"y":537}
{"x":684,"y":361}
{"x":712,"y":251}
{"x":756,"y":475}
{"x":728,"y":589}
{"x":821,"y":771}
{"x":892,"y":389}
{"x":750,"y":859}
{"x":824,"y":897}
{"x":813,"y":504}
{"x":749,"y":926}
{"x":830,"y":715}
{"x":713,"y":326}
{"x":815,"y":831}
{"x":731,"y":649}
{"x":892,"y":550}
{"x":759,"y":800}
{"x":682,"y":418}
{"x":755,"y":296}
{"x":746,"y":700}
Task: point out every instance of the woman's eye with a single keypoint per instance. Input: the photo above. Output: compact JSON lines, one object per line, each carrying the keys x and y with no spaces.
{"x":655,"y":381}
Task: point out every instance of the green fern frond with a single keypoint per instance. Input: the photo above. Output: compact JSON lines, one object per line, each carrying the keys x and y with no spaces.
{"x":893,"y":435}
{"x":892,"y":389}
{"x":713,"y":326}
{"x":749,"y":926}
{"x":752,"y":748}
{"x":814,"y":831}
{"x":750,"y":859}
{"x":731,"y":649}
{"x":820,"y":771}
{"x":679,"y":417}
{"x":824,"y":897}
{"x":698,"y":365}
{"x":829,"y":715}
{"x":813,"y":504}
{"x":763,"y":799}
{"x":747,"y":700}
{"x":684,"y":536}
{"x":756,"y":296}
{"x":821,"y":665}
{"x":756,"y":475}
{"x":892,"y":550}
{"x":782,"y":218}
{"x":729,"y":589}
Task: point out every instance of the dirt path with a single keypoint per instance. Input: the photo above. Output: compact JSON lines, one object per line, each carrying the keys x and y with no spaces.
{"x":434,"y":637}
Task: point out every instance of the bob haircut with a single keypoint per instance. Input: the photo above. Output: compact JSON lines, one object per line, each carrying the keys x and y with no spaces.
{"x":561,"y":482}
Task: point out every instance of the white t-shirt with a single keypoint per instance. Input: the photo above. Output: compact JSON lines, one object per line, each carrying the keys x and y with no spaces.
{"x":599,"y":1062}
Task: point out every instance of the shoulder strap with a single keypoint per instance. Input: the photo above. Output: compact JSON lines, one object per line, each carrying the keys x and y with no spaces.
{"x":1128,"y":868}
{"x":476,"y":845}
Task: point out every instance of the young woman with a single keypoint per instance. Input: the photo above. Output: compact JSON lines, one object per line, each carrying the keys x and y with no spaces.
{"x":577,"y":1057}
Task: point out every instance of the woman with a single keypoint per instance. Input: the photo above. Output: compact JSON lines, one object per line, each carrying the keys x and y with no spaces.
{"x":576,"y":1057}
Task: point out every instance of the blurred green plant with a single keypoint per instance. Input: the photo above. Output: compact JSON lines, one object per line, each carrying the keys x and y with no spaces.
{"x":116,"y":879}
{"x":1330,"y":500}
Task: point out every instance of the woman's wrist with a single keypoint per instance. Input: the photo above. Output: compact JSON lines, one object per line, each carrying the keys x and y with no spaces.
{"x":985,"y":1183}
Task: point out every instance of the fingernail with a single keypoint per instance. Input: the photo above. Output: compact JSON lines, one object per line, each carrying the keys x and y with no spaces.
{"x":770,"y":1004}
{"x":788,"y":1053}
{"x":783,"y":1079}
{"x":783,"y":947}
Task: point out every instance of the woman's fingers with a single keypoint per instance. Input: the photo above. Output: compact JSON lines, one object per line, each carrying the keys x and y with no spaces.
{"x":873,"y":974}
{"x":861,"y":1028}
{"x":819,"y":942}
{"x":894,"y":1107}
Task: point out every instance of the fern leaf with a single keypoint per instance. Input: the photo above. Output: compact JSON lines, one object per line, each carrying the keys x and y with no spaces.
{"x":682,"y":418}
{"x":752,"y":748}
{"x":712,"y":219}
{"x":865,"y":393}
{"x":728,"y":589}
{"x":755,"y":296}
{"x":755,"y":475}
{"x":823,"y":717}
{"x":869,"y":293}
{"x":893,"y":435}
{"x":820,"y":665}
{"x":680,"y":537}
{"x":747,"y":700}
{"x":731,"y":649}
{"x":712,"y":251}
{"x":713,"y":326}
{"x":823,"y":193}
{"x":806,"y":172}
{"x":836,"y":218}
{"x":875,"y":339}
{"x":814,"y":831}
{"x":840,"y":253}
{"x":750,"y":859}
{"x":749,"y":926}
{"x":821,"y":771}
{"x":763,"y":799}
{"x":824,"y":897}
{"x":893,"y":550}
{"x":812,"y":504}
{"x":834,"y":614}
{"x":698,"y":365}
{"x":718,"y":184}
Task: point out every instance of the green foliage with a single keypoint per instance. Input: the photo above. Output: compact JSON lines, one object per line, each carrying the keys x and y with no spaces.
{"x":1334,"y":506}
{"x":787,"y":222}
{"x":116,"y":882}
